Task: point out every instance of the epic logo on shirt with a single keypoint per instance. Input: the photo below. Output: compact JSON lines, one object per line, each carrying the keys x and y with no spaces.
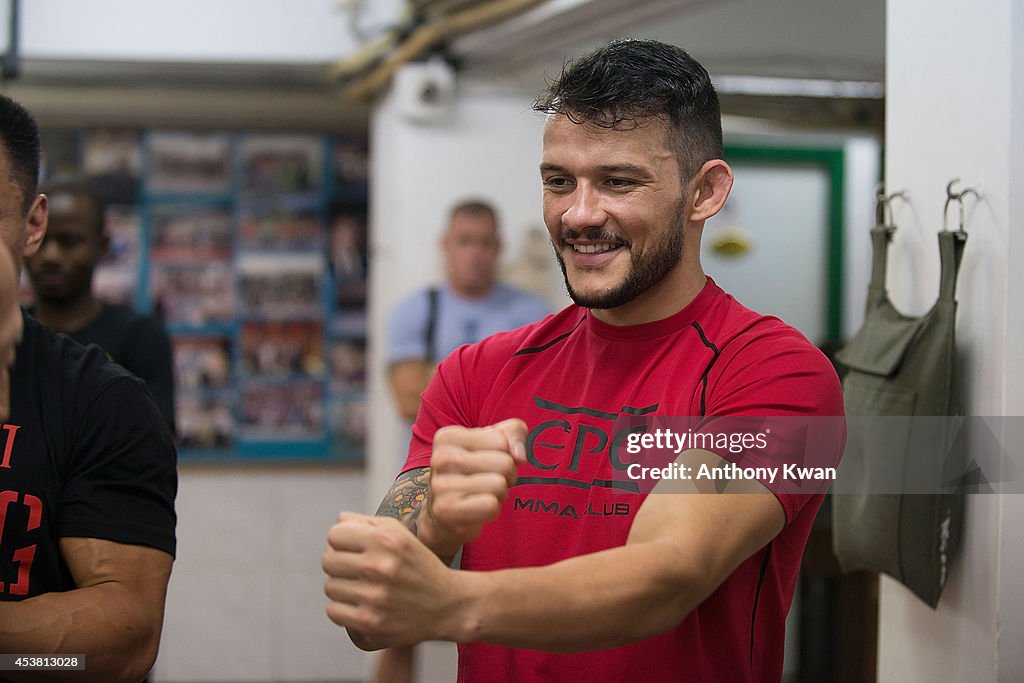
{"x":567,"y":446}
{"x":547,"y":442}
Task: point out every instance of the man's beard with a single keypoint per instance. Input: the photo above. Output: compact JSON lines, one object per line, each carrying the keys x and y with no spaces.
{"x":646,"y":270}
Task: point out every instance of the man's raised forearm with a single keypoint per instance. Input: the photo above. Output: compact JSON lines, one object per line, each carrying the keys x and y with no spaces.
{"x":406,"y":501}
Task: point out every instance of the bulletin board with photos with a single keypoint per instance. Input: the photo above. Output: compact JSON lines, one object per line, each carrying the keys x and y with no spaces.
{"x":252,"y":249}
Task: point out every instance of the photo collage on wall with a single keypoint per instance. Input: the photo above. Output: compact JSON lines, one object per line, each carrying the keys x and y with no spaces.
{"x":252,"y":250}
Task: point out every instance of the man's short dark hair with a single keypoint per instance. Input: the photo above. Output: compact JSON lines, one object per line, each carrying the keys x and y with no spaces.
{"x":628,"y":82}
{"x":19,"y":135}
{"x":475,"y":207}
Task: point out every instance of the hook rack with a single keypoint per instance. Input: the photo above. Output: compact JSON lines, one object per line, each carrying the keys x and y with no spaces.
{"x":883,"y":205}
{"x":959,"y":198}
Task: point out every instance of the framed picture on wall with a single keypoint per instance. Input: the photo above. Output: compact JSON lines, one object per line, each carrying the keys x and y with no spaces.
{"x":252,"y":249}
{"x":348,"y":424}
{"x":201,"y":362}
{"x":193,"y":294}
{"x":190,"y":232}
{"x":274,"y":165}
{"x":350,"y":160}
{"x":110,"y":151}
{"x":348,"y":255}
{"x":283,"y":286}
{"x":279,"y":348}
{"x":204,"y":386}
{"x":115,"y":278}
{"x":282,"y":410}
{"x":189,"y":163}
{"x":278,"y":230}
{"x":348,"y":365}
{"x":205,"y":421}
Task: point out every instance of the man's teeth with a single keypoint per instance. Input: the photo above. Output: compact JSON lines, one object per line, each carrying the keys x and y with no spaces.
{"x":593,"y":248}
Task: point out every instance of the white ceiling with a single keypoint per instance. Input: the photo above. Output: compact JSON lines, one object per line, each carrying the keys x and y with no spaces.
{"x":812,"y":39}
{"x":106,"y":55}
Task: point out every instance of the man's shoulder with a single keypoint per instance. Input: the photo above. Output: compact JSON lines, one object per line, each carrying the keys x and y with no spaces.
{"x":53,"y":367}
{"x":727,"y":322}
{"x":761,"y":357}
{"x":125,"y":334}
{"x":122,"y":317}
{"x":414,"y":302}
{"x":46,"y":347}
{"x":49,"y":349}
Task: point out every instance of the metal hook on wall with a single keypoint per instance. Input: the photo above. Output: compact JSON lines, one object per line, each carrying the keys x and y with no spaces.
{"x":959,"y":198}
{"x":883,"y":205}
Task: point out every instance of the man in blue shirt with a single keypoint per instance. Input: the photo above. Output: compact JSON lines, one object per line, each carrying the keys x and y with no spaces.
{"x":431,"y":323}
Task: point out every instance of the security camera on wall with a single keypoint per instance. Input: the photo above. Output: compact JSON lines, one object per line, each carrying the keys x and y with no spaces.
{"x":425,"y":91}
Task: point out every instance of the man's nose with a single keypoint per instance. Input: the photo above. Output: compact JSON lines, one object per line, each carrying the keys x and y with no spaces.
{"x":584,"y":209}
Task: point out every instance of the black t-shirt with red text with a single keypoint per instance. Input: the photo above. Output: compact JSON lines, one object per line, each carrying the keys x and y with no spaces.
{"x":84,"y":453}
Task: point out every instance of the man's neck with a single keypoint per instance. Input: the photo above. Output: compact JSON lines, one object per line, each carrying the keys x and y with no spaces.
{"x":67,"y":316}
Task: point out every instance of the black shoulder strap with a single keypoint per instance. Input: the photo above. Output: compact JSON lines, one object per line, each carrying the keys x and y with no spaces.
{"x":430,"y":333}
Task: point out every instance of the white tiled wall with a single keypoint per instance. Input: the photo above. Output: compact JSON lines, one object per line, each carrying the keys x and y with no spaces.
{"x":246,"y":597}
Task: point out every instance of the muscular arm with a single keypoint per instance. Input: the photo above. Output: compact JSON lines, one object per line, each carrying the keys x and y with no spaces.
{"x":114,"y":616}
{"x":681,"y":547}
{"x":409,"y":378}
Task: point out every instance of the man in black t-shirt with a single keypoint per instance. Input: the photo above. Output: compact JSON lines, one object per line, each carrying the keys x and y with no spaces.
{"x":62,"y":278}
{"x":87,"y":471}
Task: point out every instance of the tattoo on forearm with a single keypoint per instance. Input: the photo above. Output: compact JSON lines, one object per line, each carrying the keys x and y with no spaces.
{"x":403,"y":501}
{"x":413,"y":521}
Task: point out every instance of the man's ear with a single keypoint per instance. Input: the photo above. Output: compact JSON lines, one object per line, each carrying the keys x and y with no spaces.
{"x":35,"y":225}
{"x":711,"y":187}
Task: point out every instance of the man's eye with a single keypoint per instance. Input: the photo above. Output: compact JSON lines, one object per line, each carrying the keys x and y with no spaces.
{"x":619,"y":182}
{"x":556,"y":182}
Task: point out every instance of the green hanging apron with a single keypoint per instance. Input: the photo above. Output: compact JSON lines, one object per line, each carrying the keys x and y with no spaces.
{"x":902,"y":368}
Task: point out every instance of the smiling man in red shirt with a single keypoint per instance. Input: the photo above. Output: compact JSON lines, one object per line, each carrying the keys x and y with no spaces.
{"x":571,"y":571}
